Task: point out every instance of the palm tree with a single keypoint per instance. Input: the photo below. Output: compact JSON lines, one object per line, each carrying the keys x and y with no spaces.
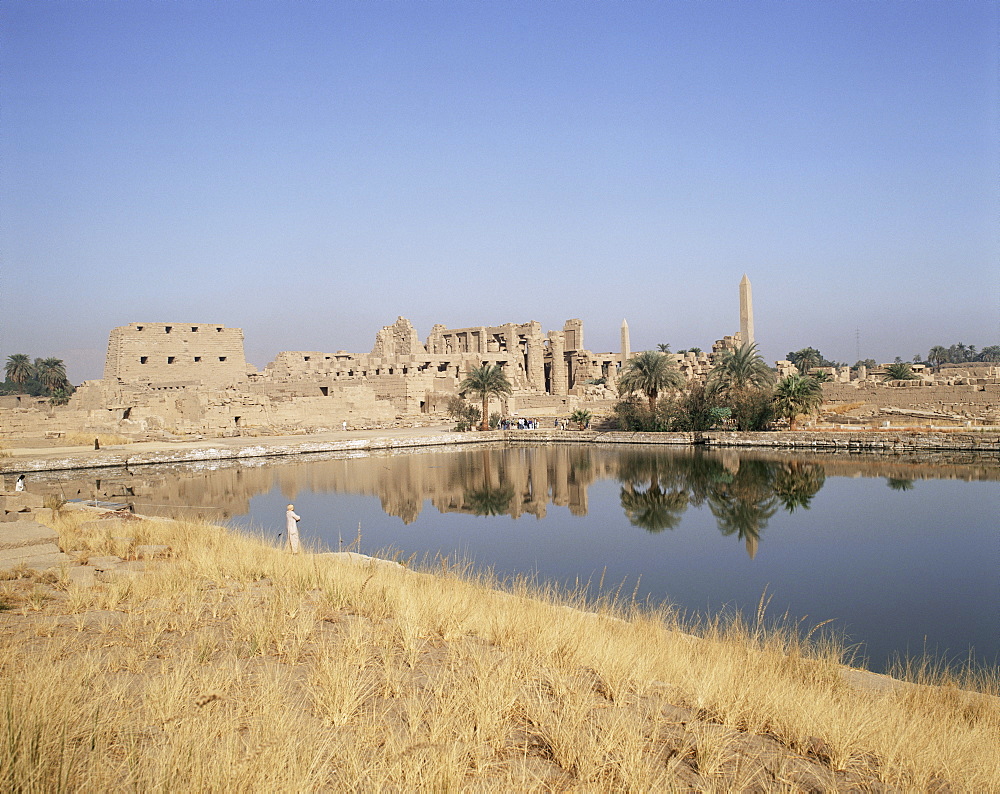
{"x":19,"y":368}
{"x":805,"y":359}
{"x":663,"y":347}
{"x":990,"y":353}
{"x":52,"y":374}
{"x":900,"y":370}
{"x":740,"y":370}
{"x":796,"y":395}
{"x":649,"y":373}
{"x":937,"y":356}
{"x":487,"y":381}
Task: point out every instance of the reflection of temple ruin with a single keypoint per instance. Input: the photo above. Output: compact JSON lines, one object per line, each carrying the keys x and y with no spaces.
{"x":533,"y":478}
{"x":657,"y":485}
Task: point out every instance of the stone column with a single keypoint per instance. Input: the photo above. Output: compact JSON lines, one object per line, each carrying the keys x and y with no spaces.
{"x":559,"y":374}
{"x":536,"y":356}
{"x":746,"y":311}
{"x":626,"y":346}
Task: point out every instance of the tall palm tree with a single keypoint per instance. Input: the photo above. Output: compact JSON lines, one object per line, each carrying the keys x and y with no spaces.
{"x":663,"y":347}
{"x":796,"y":395}
{"x":937,"y":356}
{"x":19,"y":368}
{"x":52,"y":374}
{"x":739,"y":371}
{"x":650,"y":373}
{"x":487,"y":381}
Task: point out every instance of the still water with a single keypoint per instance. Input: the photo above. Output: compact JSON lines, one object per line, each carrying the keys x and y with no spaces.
{"x":902,"y":555}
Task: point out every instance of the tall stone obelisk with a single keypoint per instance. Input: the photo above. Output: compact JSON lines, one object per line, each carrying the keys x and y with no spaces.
{"x":626,"y":348}
{"x":746,"y":311}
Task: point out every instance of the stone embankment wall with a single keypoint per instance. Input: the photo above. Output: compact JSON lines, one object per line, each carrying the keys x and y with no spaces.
{"x":871,"y":441}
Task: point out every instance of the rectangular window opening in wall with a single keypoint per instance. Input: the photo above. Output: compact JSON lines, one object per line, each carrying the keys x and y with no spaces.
{"x":143,"y":359}
{"x":170,"y":359}
{"x":236,"y":420}
{"x":222,"y":358}
{"x":139,"y":327}
{"x":442,"y":367}
{"x":126,"y":413}
{"x":194,"y":329}
{"x":168,"y":329}
{"x":197,"y":358}
{"x":219,"y":329}
{"x":305,"y":358}
{"x":324,"y":390}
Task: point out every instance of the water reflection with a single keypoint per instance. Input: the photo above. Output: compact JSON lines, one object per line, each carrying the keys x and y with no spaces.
{"x":902,"y":557}
{"x":658,"y":486}
{"x":743,"y":495}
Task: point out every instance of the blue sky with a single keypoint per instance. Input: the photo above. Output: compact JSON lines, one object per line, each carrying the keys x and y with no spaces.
{"x":309,"y":171}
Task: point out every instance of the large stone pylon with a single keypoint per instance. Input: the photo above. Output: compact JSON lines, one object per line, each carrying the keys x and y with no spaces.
{"x":746,"y":311}
{"x":626,"y":346}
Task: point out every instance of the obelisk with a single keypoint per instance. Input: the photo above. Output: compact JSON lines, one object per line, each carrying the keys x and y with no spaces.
{"x":626,"y":348}
{"x":746,"y":311}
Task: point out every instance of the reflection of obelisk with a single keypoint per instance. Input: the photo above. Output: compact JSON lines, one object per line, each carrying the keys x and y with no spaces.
{"x":746,"y":311}
{"x":626,"y":349}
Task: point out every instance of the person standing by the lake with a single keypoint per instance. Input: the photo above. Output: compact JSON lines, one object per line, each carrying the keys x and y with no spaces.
{"x":292,"y":530}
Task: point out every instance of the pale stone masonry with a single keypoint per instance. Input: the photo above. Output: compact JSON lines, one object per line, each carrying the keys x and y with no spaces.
{"x":163,"y":354}
{"x":746,"y":311}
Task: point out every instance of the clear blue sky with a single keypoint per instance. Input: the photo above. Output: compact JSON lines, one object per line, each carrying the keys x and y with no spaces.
{"x":308,"y":171}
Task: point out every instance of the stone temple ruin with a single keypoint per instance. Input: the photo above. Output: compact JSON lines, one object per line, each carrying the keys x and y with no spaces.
{"x":174,"y":379}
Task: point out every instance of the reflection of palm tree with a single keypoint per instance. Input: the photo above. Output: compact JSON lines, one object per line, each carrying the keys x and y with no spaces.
{"x":744,"y":518}
{"x":795,"y":484}
{"x":489,"y":501}
{"x":653,"y":509}
{"x":899,"y":484}
{"x":744,"y":506}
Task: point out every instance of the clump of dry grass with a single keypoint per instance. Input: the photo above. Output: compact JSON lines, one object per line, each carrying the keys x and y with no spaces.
{"x":842,"y":409}
{"x":236,"y":666}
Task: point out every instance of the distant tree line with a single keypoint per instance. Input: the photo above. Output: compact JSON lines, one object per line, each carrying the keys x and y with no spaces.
{"x":960,"y":354}
{"x":43,"y":377}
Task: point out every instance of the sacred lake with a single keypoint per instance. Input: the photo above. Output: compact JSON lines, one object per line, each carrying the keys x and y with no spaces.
{"x":900,"y":553}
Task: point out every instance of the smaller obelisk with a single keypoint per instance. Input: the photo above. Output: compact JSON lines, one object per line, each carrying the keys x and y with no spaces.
{"x":746,"y":311}
{"x":626,"y":348}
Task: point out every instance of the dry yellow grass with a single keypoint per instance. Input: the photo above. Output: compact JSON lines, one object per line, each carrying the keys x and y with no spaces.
{"x":234,"y":666}
{"x":842,"y":409}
